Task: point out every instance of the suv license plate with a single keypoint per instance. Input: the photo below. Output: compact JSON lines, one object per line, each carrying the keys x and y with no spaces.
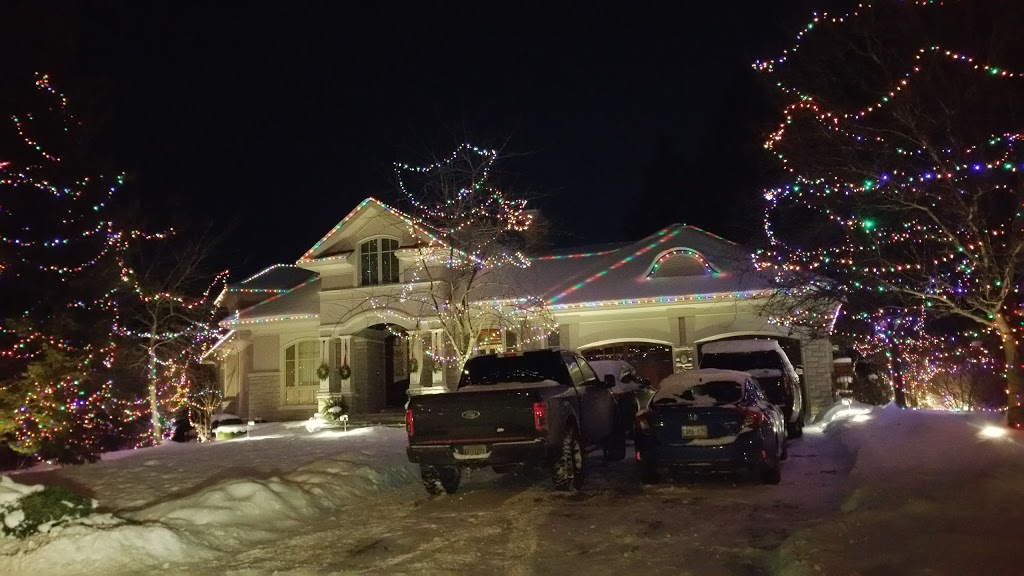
{"x":695,"y":431}
{"x":474,"y":449}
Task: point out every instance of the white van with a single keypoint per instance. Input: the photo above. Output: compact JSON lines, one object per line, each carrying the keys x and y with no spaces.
{"x":767,"y":362}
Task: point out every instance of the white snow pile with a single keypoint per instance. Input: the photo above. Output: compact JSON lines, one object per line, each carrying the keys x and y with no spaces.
{"x":926,"y":488}
{"x":202,"y":500}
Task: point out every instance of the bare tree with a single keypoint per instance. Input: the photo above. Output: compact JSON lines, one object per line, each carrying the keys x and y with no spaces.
{"x":900,"y":152}
{"x":470,"y":272}
{"x":173,"y":317}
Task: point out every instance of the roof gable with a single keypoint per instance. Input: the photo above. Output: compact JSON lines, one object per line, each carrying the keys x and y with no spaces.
{"x":369,"y":219}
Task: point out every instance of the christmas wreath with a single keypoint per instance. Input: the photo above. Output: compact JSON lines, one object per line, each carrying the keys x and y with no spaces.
{"x":323,"y":371}
{"x":437,"y":364}
{"x":414,"y":366}
{"x":345,"y":372}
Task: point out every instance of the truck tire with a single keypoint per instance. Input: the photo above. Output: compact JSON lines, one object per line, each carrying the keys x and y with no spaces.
{"x":568,"y":470}
{"x":442,"y":479}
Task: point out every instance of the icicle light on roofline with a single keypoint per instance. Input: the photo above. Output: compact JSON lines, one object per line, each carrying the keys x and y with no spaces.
{"x":268,"y":319}
{"x":258,"y":290}
{"x":664,"y":300}
{"x":267,"y":270}
{"x":570,"y":256}
{"x":413,"y":223}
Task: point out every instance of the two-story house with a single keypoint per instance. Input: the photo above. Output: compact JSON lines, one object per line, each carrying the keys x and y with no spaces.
{"x":339,"y":321}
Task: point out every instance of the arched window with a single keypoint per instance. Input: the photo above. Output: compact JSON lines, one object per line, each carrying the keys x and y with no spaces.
{"x":681,"y":262}
{"x":300,"y":380}
{"x":378,"y":263}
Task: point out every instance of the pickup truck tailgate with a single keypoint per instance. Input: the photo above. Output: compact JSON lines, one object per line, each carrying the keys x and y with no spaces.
{"x":483,"y":414}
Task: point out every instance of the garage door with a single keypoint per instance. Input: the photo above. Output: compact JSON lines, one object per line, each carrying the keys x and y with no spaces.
{"x":652,"y":361}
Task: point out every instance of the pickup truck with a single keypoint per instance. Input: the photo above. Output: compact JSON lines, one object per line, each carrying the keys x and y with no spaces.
{"x":542,"y":408}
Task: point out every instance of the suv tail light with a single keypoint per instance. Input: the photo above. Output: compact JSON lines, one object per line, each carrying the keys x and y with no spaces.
{"x":540,"y":416}
{"x":408,"y":422}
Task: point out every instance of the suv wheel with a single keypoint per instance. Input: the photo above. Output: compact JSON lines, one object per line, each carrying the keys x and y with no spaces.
{"x":568,"y":470}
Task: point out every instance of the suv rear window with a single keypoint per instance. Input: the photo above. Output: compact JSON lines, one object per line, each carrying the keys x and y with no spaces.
{"x":714,"y":393}
{"x":742,"y":361}
{"x":526,"y":367}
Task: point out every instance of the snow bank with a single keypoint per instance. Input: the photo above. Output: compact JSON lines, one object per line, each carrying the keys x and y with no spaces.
{"x":95,"y":548}
{"x":202,"y":500}
{"x":925,"y":488}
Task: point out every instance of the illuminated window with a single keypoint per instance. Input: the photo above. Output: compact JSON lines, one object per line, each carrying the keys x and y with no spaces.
{"x":489,"y":341}
{"x":378,"y":263}
{"x":300,"y":380}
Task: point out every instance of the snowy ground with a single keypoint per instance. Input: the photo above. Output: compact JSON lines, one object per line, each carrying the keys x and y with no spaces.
{"x":889,"y":492}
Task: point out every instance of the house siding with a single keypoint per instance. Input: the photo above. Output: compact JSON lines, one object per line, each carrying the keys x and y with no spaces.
{"x":266,"y":353}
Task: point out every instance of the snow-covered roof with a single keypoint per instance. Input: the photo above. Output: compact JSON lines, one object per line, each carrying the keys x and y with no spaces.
{"x":296,"y":303}
{"x":598,"y":276}
{"x":625,"y":272}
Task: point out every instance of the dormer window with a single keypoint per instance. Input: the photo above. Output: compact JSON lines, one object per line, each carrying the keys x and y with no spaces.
{"x":378,"y":263}
{"x":680,"y":262}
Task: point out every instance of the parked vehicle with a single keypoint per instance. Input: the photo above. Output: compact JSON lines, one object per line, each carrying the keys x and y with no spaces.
{"x":766,"y":361}
{"x":632,"y":391}
{"x":535,"y":408}
{"x":711,"y":420}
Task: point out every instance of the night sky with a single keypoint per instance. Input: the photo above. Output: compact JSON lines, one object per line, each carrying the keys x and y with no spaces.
{"x":270,"y":121}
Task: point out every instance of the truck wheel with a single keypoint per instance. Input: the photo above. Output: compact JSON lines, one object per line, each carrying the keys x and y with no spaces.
{"x":615,"y":445}
{"x":568,"y":470}
{"x":440,"y":479}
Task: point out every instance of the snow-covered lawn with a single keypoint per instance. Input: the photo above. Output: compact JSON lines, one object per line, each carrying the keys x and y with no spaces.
{"x":874,"y":491}
{"x":181,"y":503}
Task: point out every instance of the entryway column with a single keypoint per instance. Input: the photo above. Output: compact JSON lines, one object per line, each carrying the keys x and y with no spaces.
{"x":417,"y":344}
{"x":437,"y":349}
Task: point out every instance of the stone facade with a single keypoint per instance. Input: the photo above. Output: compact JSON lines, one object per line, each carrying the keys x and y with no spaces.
{"x":818,"y":381}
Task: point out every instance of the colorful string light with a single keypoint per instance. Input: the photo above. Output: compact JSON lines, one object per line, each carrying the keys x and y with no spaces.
{"x":921,"y":219}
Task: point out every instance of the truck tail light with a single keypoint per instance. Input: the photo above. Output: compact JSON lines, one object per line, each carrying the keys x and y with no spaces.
{"x":540,"y":416}
{"x":408,"y":422}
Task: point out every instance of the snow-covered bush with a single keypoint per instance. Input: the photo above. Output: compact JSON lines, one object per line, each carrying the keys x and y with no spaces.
{"x":25,"y":510}
{"x":334,"y":408}
{"x":227,"y":426}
